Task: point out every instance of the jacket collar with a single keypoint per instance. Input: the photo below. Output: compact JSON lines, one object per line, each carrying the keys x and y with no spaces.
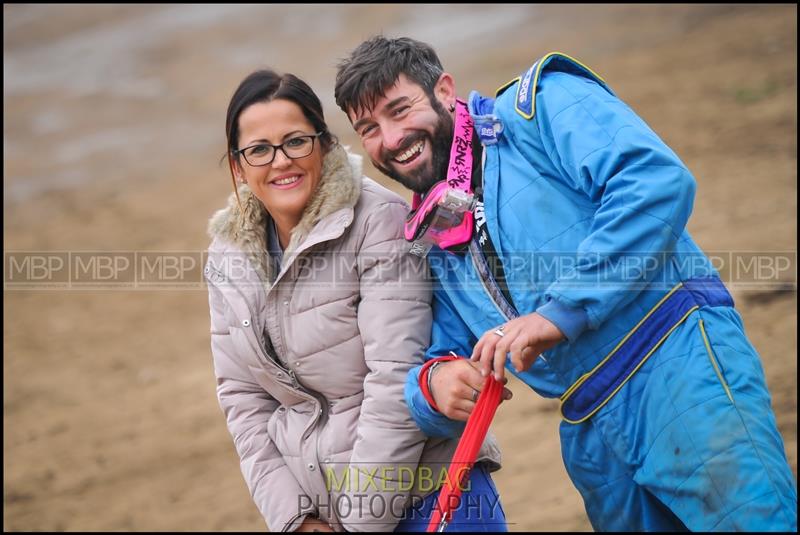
{"x":246,"y":227}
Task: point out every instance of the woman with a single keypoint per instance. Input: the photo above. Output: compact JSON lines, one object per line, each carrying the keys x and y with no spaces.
{"x":317,"y":314}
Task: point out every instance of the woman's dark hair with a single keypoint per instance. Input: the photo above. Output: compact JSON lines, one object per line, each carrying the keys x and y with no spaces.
{"x":264,"y":86}
{"x":377,"y":63}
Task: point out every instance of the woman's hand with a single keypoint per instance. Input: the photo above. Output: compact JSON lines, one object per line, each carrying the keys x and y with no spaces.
{"x":525,"y":337}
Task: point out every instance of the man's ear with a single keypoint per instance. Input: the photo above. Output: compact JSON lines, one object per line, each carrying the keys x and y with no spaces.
{"x":445,"y":90}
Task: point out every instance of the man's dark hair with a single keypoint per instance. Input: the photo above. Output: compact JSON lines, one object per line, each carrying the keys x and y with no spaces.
{"x":376,"y":64}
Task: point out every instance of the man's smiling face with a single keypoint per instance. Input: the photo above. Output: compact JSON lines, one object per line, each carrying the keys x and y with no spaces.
{"x":407,"y":134}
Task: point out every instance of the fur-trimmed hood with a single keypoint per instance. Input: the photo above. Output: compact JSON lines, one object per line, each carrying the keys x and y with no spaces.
{"x":246,"y":227}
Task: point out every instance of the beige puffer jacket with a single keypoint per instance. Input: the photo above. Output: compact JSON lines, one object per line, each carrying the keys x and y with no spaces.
{"x":319,"y":419}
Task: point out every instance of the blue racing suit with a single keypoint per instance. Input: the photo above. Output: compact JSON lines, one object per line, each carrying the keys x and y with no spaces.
{"x":667,"y":417}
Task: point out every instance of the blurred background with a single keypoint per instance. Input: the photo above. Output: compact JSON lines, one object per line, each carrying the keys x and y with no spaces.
{"x":113,"y":129}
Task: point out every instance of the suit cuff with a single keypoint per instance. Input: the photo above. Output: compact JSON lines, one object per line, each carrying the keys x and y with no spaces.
{"x":571,"y":321}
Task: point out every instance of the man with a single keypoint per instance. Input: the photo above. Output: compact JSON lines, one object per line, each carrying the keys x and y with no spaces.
{"x":580,"y":272}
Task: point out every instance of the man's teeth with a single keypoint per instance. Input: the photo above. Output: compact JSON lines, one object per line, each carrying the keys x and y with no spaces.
{"x":415,"y":149}
{"x":287,"y":180}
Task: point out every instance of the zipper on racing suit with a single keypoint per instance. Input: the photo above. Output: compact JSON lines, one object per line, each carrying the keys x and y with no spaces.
{"x":481,"y":264}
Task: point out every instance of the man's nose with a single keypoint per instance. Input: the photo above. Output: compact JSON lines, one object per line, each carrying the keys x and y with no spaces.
{"x":393,"y":136}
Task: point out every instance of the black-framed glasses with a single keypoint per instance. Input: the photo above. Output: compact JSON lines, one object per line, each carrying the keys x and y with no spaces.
{"x":260,"y":154}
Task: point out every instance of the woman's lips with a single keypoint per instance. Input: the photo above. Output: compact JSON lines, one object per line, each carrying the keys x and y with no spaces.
{"x":287,"y":181}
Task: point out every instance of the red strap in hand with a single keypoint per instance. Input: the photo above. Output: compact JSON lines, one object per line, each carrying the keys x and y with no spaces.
{"x":466,"y":453}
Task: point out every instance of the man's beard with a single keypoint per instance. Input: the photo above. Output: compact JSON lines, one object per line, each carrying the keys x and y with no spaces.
{"x":420,"y":180}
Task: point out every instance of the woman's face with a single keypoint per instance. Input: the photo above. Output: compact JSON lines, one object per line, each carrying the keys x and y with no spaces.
{"x":285,"y":185}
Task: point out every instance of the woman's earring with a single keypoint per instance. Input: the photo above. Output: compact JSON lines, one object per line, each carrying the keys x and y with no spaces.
{"x":452,"y":107}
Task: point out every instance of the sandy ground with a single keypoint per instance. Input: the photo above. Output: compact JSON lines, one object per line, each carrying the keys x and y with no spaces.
{"x":113,"y":128}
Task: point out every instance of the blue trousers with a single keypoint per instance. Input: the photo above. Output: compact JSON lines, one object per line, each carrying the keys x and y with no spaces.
{"x":690,"y":442}
{"x":479,"y":509}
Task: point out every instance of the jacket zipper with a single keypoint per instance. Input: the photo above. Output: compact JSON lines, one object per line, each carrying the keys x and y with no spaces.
{"x":486,"y":282}
{"x":295,"y":382}
{"x":508,"y":311}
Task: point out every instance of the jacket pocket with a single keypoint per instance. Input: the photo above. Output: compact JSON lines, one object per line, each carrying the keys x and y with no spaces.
{"x":714,"y":362}
{"x":346,"y":403}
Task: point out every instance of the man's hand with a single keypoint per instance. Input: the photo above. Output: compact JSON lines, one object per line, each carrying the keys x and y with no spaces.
{"x":455,"y":385}
{"x":525,"y":337}
{"x":311,"y":524}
